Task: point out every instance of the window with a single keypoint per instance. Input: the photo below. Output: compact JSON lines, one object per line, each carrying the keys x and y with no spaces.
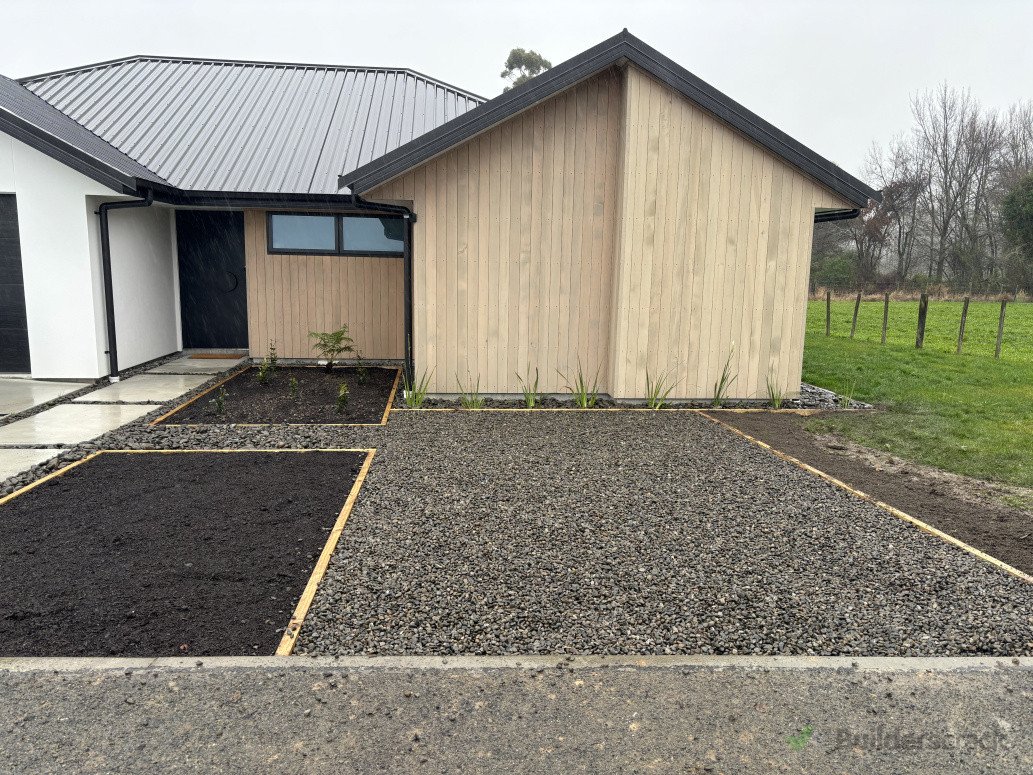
{"x":371,"y":234}
{"x":336,"y":234}
{"x":302,"y":233}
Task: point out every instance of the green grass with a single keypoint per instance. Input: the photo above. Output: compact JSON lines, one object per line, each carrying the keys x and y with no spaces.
{"x":969,"y":414}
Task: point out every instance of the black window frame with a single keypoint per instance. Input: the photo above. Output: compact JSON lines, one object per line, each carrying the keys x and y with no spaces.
{"x":338,"y":249}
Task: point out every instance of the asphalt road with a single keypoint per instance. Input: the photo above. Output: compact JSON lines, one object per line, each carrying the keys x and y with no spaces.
{"x":547,"y":715}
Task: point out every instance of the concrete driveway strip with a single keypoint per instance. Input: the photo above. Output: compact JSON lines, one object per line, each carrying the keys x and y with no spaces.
{"x":542,"y":715}
{"x":71,"y":423}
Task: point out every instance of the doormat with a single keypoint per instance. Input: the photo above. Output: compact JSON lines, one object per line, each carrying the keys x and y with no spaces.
{"x":216,"y":356}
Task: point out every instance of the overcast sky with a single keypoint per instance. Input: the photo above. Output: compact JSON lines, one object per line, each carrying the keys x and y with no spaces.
{"x":835,"y":76}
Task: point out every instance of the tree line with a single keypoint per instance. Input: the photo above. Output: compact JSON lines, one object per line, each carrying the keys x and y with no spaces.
{"x":957,"y":207}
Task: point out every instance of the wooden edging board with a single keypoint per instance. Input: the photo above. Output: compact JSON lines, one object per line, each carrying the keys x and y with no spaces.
{"x":185,"y":404}
{"x":290,"y":635}
{"x":924,"y":526}
{"x":805,"y":412}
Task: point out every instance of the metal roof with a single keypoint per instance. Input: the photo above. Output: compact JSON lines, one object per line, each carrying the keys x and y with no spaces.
{"x":28,"y":118}
{"x":234,"y":126}
{"x":621,"y":48}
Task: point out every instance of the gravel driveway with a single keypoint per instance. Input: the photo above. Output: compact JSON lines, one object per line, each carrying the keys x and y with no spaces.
{"x":640,"y":533}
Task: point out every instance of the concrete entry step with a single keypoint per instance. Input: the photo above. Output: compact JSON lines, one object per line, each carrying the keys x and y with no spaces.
{"x":18,"y":394}
{"x":72,"y":423}
{"x":14,"y":461}
{"x":192,"y":365}
{"x":146,"y":387}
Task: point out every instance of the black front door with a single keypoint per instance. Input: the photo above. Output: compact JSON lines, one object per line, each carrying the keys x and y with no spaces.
{"x":14,"y":330}
{"x":212,"y":285}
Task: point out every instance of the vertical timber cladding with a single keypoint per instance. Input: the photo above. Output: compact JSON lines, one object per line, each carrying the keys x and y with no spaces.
{"x":619,"y":225}
{"x":714,"y":252}
{"x":290,"y":295}
{"x":514,"y":244}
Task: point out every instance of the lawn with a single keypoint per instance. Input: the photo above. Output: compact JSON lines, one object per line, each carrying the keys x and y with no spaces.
{"x":970,"y":414}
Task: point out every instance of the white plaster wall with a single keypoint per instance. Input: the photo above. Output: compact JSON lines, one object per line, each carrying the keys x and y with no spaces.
{"x":145,"y":279}
{"x":63,"y":295}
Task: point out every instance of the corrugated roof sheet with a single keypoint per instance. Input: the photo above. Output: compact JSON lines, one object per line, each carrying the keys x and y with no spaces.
{"x":58,"y":130}
{"x":214,"y":125}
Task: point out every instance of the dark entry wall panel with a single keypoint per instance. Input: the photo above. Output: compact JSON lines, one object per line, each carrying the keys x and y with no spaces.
{"x":212,"y":281}
{"x":14,"y":329}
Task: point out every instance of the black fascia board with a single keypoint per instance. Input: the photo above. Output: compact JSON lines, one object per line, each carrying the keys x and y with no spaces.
{"x":623,"y":47}
{"x":67,"y":154}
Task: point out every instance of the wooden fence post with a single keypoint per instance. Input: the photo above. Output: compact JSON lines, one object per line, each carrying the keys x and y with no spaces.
{"x":885,"y":314}
{"x":857,"y":306}
{"x":923,"y":309}
{"x":828,"y":313}
{"x":1000,"y":329}
{"x":961,"y":328}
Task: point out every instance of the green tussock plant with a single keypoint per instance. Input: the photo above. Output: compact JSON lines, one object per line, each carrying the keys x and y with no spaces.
{"x":724,"y":382}
{"x":361,"y":370}
{"x":292,"y":388}
{"x":273,"y":358}
{"x":264,"y":372}
{"x":585,"y":394}
{"x":530,"y":389}
{"x":658,"y":389}
{"x":414,"y":394}
{"x":342,"y":398}
{"x":845,"y":398}
{"x":776,"y":396}
{"x":331,"y":345}
{"x":220,"y":400}
{"x":470,"y":398}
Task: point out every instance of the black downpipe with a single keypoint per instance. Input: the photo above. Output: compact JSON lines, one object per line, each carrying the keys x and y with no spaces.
{"x":105,"y":260}
{"x":408,"y":367}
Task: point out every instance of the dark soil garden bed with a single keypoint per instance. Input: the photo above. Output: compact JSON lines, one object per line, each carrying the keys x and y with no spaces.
{"x":249,"y":401}
{"x":956,"y":505}
{"x":200,"y":553}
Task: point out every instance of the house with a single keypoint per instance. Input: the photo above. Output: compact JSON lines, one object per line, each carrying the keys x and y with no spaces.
{"x":614,"y":214}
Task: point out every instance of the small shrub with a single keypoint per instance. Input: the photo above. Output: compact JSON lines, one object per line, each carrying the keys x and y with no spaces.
{"x":776,"y":396}
{"x":331,"y":345}
{"x":658,"y":390}
{"x":415,"y":394}
{"x":470,"y":398}
{"x":220,"y":400}
{"x":845,"y":399}
{"x":530,"y":389}
{"x":724,"y":381}
{"x":265,"y":371}
{"x":585,"y":395}
{"x":273,"y":358}
{"x":342,"y":398}
{"x":292,"y":387}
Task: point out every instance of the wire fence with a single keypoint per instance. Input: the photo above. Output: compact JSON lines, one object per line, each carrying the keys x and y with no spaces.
{"x":959,"y":336}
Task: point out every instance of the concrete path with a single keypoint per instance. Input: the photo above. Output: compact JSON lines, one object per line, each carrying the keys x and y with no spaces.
{"x":542,"y":715}
{"x":71,"y":423}
{"x":17,"y":394}
{"x":188,"y":365}
{"x":155,"y":388}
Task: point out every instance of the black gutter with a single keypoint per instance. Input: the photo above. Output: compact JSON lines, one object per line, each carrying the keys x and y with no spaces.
{"x":409,"y":367}
{"x":836,"y":215}
{"x":105,"y":260}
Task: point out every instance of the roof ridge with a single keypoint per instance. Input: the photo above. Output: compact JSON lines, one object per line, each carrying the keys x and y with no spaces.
{"x":242,"y":62}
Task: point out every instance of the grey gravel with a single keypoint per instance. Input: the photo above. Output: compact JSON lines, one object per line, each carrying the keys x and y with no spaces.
{"x":642,"y":533}
{"x":309,"y":718}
